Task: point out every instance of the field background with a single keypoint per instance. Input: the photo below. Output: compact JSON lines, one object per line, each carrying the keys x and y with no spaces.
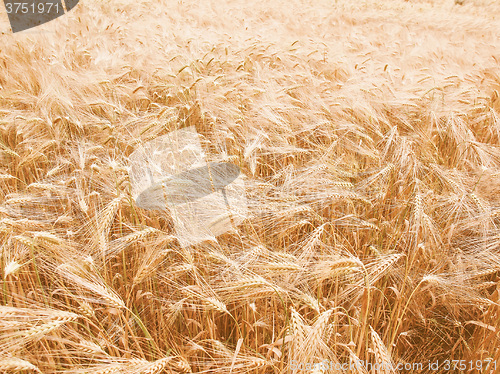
{"x":369,"y":133}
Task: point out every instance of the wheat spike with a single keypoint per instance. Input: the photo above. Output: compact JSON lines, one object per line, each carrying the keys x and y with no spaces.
{"x":90,"y":347}
{"x":157,"y":366}
{"x":216,"y":304}
{"x":13,"y":364}
{"x":382,"y":356}
{"x":107,"y":215}
{"x":318,"y":329}
{"x":139,"y":235}
{"x":298,"y":329}
{"x":11,"y":268}
{"x":39,"y":331}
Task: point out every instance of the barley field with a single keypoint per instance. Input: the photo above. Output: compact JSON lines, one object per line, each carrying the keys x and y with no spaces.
{"x":368,"y":134}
